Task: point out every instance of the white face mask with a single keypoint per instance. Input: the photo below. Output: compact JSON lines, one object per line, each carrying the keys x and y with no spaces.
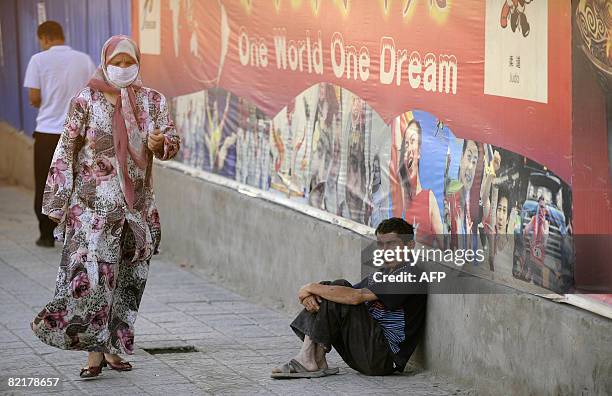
{"x":120,"y":76}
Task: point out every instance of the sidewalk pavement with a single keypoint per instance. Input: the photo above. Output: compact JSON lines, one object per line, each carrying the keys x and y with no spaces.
{"x":236,"y":341}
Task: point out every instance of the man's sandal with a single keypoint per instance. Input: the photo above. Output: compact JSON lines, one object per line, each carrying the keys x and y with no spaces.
{"x":295,"y":369}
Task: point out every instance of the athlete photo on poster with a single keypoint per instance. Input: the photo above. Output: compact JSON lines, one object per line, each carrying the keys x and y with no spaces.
{"x":377,"y":168}
{"x":220,"y":133}
{"x":499,"y":192}
{"x":189,"y":116}
{"x":462,"y":194}
{"x":252,"y":146}
{"x":543,"y":251}
{"x":417,"y":175}
{"x":325,"y":152}
{"x":292,"y":130}
{"x":353,"y":180}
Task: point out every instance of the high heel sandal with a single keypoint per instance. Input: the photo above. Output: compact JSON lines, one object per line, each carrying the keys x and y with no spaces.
{"x":91,"y":372}
{"x":121,"y":366}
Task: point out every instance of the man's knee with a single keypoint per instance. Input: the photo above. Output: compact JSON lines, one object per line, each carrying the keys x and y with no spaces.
{"x":341,"y":282}
{"x":337,"y":282}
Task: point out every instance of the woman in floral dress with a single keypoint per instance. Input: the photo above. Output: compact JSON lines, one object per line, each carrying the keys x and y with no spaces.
{"x":99,"y":192}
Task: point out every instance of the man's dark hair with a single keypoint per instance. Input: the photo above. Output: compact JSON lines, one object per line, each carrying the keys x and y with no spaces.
{"x":400,"y":226}
{"x":465,"y":143}
{"x":51,"y":30}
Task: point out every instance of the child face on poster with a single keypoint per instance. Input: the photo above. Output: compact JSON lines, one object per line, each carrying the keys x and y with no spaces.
{"x":501,"y":218}
{"x":467,"y":166}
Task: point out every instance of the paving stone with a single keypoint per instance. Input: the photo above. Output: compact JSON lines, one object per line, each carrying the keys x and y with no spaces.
{"x":175,"y":389}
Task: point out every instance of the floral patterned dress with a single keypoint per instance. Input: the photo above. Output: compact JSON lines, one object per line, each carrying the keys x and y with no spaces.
{"x":107,"y":246}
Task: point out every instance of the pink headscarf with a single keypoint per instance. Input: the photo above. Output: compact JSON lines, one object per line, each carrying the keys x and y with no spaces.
{"x":126,"y":130}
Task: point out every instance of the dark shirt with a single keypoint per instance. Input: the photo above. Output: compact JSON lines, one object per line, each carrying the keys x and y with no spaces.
{"x":399,"y":310}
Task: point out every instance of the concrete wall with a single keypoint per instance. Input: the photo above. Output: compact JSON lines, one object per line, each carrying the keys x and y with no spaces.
{"x":257,"y":247}
{"x":519,"y":345}
{"x":16,"y":156}
{"x":499,"y":344}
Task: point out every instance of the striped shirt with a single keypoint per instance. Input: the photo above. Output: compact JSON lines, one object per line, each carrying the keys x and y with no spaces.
{"x":400,"y":314}
{"x":392,"y":322}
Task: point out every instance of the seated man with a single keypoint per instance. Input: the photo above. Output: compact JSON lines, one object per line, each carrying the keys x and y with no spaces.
{"x":373,"y":325}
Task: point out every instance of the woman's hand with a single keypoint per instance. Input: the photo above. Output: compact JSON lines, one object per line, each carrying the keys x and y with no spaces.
{"x":155,"y":141}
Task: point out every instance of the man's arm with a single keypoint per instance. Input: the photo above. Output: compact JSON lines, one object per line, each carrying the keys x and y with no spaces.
{"x":34,"y":97}
{"x":32,"y":82}
{"x":339,"y":294}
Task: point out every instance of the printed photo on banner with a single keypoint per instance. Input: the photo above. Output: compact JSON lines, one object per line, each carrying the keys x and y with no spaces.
{"x":500,"y":207}
{"x":189,"y":117}
{"x":462,"y":209}
{"x":377,"y":170}
{"x":220,"y":133}
{"x":253,"y":150}
{"x":325,"y":153}
{"x":292,"y":130}
{"x":353,"y":180}
{"x":417,"y":175}
{"x":330,"y":150}
{"x":543,"y":250}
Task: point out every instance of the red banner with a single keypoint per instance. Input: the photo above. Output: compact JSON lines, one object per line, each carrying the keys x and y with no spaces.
{"x":490,"y":72}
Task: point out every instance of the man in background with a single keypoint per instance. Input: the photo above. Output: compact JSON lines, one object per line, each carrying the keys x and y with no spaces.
{"x":53,"y":77}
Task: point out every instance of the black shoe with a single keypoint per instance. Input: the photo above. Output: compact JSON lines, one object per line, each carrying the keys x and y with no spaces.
{"x":45,"y":242}
{"x":524,"y":25}
{"x":514,"y":20}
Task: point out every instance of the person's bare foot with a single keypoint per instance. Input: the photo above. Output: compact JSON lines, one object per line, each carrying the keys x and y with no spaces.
{"x":94,"y":365}
{"x":308,"y":363}
{"x":112,"y":358}
{"x":115,"y":362}
{"x":320,"y":353}
{"x":94,"y":359}
{"x":306,"y":357}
